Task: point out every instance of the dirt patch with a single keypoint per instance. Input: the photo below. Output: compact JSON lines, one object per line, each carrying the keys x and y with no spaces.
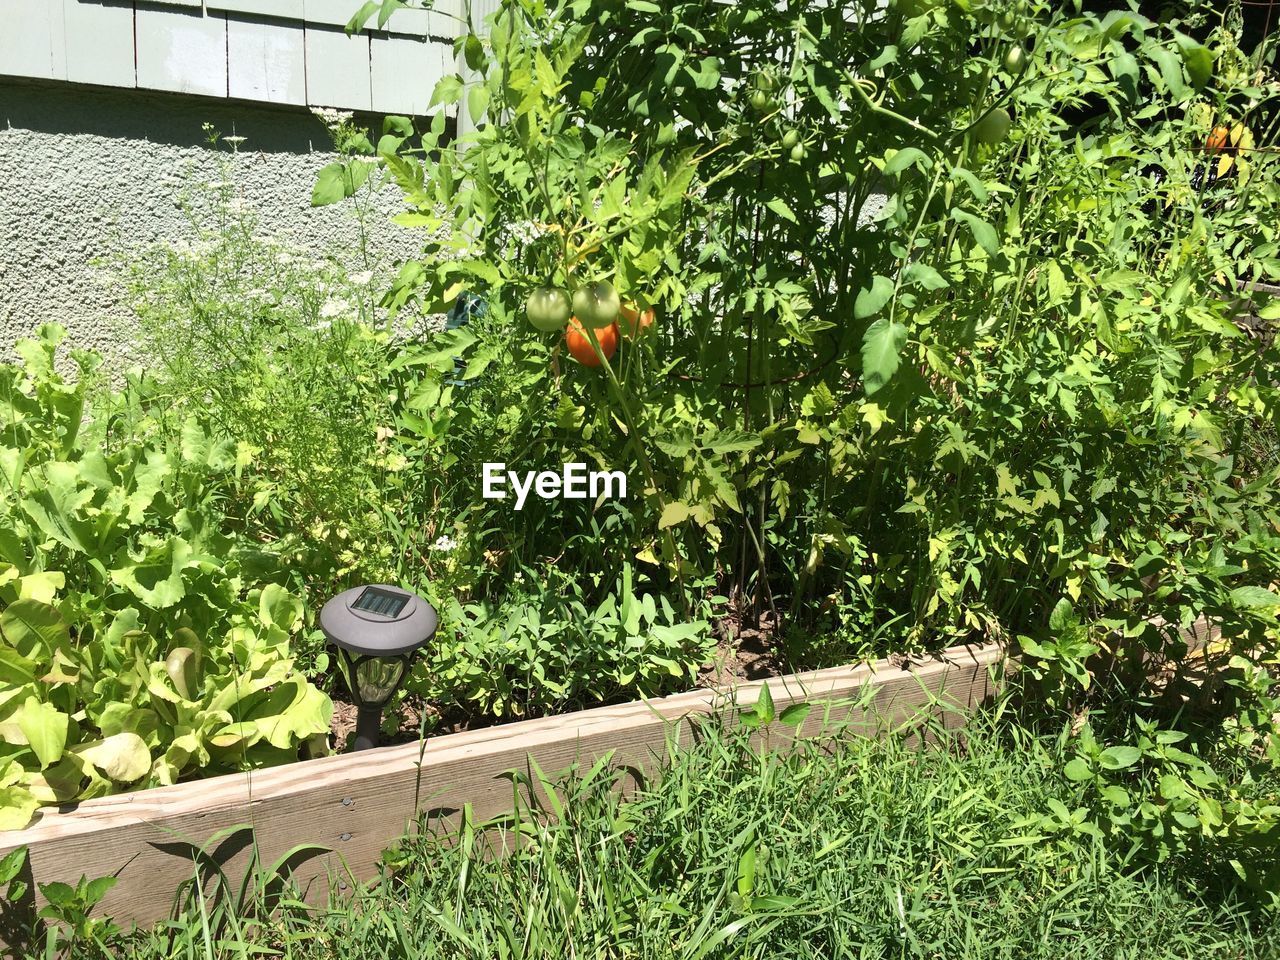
{"x":742,"y":653}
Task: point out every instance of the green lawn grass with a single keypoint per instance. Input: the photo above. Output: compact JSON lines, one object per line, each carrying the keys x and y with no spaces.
{"x":853,"y":848}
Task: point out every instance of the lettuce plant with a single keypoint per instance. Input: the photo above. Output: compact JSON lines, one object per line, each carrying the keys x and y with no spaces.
{"x":134,"y":650}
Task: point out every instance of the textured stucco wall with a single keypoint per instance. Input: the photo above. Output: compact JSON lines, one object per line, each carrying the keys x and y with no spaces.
{"x":88,"y":173}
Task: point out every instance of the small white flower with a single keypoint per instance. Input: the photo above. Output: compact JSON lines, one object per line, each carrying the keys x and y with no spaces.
{"x":332,"y":308}
{"x":331,"y":117}
{"x":445,"y":544}
{"x":362,"y":278}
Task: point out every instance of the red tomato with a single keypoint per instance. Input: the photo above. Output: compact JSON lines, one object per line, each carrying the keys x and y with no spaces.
{"x":578,"y":342}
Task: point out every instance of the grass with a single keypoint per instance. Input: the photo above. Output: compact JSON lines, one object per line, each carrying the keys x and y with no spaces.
{"x":855,"y":848}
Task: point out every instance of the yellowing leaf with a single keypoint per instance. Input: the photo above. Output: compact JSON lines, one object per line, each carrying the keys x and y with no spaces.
{"x":16,"y":807}
{"x":674,"y":513}
{"x":40,"y":587}
{"x":122,"y":758}
{"x":873,"y":415}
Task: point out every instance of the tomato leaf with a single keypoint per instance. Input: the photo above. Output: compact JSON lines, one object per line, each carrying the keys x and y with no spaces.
{"x":779,"y":206}
{"x":872,"y":300}
{"x":1197,"y":59}
{"x":1254,"y":598}
{"x":881,"y":347}
{"x":983,"y":232}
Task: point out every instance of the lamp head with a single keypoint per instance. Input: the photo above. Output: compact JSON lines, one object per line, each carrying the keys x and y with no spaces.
{"x":377,"y":629}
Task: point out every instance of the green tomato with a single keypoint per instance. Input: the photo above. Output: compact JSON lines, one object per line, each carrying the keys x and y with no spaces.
{"x":760,"y":101}
{"x":798,"y":152}
{"x":1015,"y":61}
{"x":765,"y":80}
{"x":994,"y":127}
{"x":596,"y":304}
{"x":548,"y":308}
{"x":790,"y":139}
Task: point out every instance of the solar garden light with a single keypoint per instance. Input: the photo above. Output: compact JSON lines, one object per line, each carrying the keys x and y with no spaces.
{"x":377,"y":629}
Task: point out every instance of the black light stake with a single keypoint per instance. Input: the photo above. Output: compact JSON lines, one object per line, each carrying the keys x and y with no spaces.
{"x":378,"y":629}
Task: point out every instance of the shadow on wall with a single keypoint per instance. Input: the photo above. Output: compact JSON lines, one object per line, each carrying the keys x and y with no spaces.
{"x":173,"y":119}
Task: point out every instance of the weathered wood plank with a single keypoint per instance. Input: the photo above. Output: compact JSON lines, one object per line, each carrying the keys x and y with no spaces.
{"x":181,"y":51}
{"x":404,"y":71}
{"x":99,"y":42}
{"x":357,"y":804}
{"x":279,"y":9}
{"x":337,"y":69}
{"x":29,"y":33}
{"x":441,"y":21}
{"x":266,"y":62}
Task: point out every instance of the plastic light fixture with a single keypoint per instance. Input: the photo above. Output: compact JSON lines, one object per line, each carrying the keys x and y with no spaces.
{"x":378,"y":629}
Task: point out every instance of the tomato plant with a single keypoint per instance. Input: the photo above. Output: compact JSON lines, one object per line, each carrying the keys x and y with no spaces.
{"x":946,"y":340}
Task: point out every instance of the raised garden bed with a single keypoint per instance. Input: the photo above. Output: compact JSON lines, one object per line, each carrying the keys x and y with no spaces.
{"x":356,"y":805}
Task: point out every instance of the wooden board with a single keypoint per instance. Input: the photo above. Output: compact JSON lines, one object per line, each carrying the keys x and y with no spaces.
{"x":278,"y":9}
{"x":265,"y":62}
{"x":30,"y":33}
{"x":337,"y":69}
{"x":440,"y":21}
{"x":181,"y":51}
{"x":404,"y":73}
{"x":358,"y":804}
{"x":99,"y":42}
{"x":291,"y":52}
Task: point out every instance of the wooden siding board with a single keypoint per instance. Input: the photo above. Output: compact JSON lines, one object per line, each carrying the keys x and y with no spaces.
{"x":28,"y":35}
{"x":404,"y":72}
{"x":334,"y":13}
{"x":266,"y":62}
{"x":358,"y":804}
{"x":98,"y":39}
{"x":337,"y":69}
{"x":182,"y":52}
{"x":257,"y":50}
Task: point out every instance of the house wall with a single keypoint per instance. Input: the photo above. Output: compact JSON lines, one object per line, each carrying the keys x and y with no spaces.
{"x":90,"y":174}
{"x":102,"y":111}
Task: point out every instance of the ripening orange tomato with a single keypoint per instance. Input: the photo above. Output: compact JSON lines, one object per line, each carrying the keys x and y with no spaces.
{"x":634,"y":321}
{"x":578,"y":342}
{"x":1218,"y":140}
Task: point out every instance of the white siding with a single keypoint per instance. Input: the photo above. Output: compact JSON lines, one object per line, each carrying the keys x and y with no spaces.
{"x":273,"y":51}
{"x":98,"y":42}
{"x":266,"y":61}
{"x":405,"y":71}
{"x":337,"y":69}
{"x":281,"y":9}
{"x":29,"y":31}
{"x":181,"y":51}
